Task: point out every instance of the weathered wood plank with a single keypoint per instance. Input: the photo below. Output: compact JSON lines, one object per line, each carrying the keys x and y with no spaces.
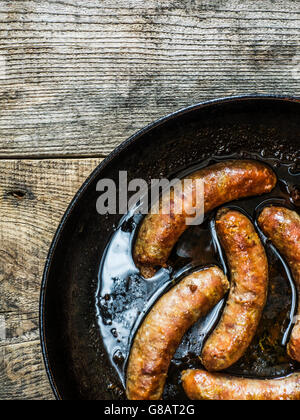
{"x":79,"y":77}
{"x":33,"y":197}
{"x":22,"y":373}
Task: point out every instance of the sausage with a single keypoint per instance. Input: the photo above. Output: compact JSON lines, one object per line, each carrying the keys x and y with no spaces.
{"x":282,"y":227}
{"x":161,"y":332}
{"x":223,"y":182}
{"x":248,"y":265}
{"x":201,"y":385}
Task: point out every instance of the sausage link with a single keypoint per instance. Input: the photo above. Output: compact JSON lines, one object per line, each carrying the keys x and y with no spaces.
{"x":248,"y":293}
{"x":282,"y":227}
{"x":162,"y":330}
{"x":223,"y":182}
{"x":201,"y":385}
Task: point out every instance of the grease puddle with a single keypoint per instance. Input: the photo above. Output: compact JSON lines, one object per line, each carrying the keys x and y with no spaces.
{"x":124,"y":297}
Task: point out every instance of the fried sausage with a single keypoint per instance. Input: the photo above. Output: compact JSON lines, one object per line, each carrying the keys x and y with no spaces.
{"x":201,"y":385}
{"x":223,"y":182}
{"x":282,"y":227}
{"x":162,"y":330}
{"x":248,"y":265}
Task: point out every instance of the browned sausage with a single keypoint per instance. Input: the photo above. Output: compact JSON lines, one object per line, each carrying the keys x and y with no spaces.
{"x":161,"y":332}
{"x":248,"y":292}
{"x":201,"y":385}
{"x":282,"y":226}
{"x":223,"y":182}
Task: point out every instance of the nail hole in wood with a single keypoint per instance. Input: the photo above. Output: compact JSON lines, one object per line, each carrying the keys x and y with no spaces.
{"x":18,"y":194}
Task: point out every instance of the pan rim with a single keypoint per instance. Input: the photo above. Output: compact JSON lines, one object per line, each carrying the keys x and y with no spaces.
{"x":123,"y":146}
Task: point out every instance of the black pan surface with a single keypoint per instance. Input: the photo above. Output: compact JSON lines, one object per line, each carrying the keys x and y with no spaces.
{"x":77,"y":363}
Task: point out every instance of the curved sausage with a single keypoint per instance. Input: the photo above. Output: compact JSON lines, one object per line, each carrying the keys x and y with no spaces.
{"x":248,"y":292}
{"x":282,"y":227}
{"x":201,"y":385}
{"x":161,"y":332}
{"x":223,"y":182}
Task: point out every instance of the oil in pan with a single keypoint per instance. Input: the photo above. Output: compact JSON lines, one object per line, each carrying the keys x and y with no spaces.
{"x":124,"y":297}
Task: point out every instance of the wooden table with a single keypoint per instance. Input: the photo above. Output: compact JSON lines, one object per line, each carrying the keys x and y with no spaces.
{"x":76,"y":79}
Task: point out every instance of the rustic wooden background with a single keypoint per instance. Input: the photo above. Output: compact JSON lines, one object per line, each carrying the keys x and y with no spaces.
{"x":76,"y":79}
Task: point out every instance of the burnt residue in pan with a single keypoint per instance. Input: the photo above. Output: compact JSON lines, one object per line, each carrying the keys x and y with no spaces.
{"x":124,"y":297}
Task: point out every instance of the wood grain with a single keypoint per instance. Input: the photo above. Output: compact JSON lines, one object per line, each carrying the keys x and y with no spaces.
{"x":33,"y":198}
{"x":79,"y":77}
{"x":22,"y":373}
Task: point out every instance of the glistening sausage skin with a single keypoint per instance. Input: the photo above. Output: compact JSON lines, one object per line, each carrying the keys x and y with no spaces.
{"x":163,"y":328}
{"x":282,"y":227}
{"x":201,"y":385}
{"x":248,"y":265}
{"x":223,"y":182}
